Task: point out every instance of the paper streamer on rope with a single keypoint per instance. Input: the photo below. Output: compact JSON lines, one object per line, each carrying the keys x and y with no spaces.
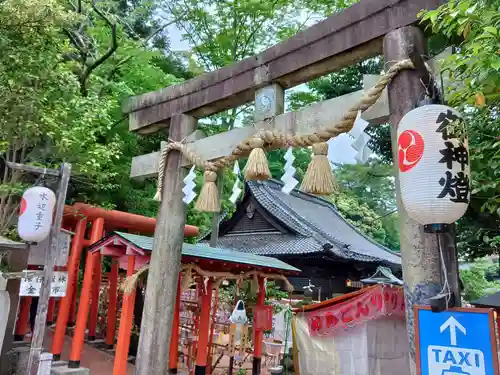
{"x":361,"y":139}
{"x":288,"y":177}
{"x":189,"y":185}
{"x":236,"y":187}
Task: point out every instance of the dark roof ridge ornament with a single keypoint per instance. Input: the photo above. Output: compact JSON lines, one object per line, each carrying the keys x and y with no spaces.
{"x":383,"y":275}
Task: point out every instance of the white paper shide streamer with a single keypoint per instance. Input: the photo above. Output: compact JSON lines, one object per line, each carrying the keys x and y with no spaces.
{"x":288,"y":177}
{"x":189,"y":185}
{"x":236,"y":187}
{"x":361,"y":139}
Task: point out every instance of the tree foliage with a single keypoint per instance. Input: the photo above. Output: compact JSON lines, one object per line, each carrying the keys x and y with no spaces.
{"x":474,"y":72}
{"x":61,"y":84}
{"x":476,"y":64}
{"x":475,"y":280}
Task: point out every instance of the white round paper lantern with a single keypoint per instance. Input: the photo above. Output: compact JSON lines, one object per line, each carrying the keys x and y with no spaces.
{"x":35,"y":218}
{"x":433,"y":162}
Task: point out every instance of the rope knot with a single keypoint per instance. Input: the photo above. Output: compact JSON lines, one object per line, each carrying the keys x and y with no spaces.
{"x":320,"y":148}
{"x":210,"y":176}
{"x":256,"y":142}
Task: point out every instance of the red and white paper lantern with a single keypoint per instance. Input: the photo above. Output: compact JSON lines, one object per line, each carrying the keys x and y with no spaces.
{"x":35,"y":218}
{"x":434,"y":171}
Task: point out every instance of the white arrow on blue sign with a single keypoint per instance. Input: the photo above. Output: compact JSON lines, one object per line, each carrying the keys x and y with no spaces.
{"x":452,"y":324}
{"x":456,"y":342}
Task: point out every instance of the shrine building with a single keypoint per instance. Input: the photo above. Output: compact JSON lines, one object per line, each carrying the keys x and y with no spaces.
{"x":306,"y":232}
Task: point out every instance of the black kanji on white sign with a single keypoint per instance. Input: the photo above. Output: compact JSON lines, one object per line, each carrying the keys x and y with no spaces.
{"x":456,"y":187}
{"x":444,"y":120}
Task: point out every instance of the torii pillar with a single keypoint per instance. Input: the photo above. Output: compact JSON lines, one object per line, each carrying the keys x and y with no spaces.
{"x":419,"y":250}
{"x":156,"y":328}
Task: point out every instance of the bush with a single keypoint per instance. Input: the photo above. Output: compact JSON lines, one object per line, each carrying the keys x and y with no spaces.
{"x":475,"y":283}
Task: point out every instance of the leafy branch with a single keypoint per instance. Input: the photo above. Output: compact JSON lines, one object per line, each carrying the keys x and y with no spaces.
{"x":86,"y":49}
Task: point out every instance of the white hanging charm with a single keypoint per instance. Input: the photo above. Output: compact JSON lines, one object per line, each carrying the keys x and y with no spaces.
{"x":361,"y":139}
{"x":189,"y":185}
{"x":236,"y":187}
{"x":288,"y":177}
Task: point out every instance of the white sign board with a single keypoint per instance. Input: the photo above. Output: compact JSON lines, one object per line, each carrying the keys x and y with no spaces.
{"x":37,"y":252}
{"x":31,"y":285}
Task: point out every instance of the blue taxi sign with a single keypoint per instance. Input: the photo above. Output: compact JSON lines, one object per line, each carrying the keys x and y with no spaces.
{"x":459,"y":341}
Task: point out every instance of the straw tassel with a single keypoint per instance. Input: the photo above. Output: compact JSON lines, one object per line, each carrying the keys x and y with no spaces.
{"x":187,"y":279}
{"x":319,"y":178}
{"x":257,"y":167}
{"x":209,"y":200}
{"x":254,"y":285}
{"x":130,"y":283}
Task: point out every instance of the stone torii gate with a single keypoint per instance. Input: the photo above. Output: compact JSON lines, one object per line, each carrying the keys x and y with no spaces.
{"x":364,"y":30}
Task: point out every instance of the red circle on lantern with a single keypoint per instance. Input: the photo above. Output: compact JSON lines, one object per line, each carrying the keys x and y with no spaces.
{"x":24,"y":205}
{"x":410,"y":149}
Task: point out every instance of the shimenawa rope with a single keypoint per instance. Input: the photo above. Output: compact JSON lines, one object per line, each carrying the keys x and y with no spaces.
{"x":130,"y":283}
{"x":318,"y":179}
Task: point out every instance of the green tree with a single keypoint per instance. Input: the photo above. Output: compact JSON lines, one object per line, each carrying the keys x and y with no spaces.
{"x":474,"y":72}
{"x":372,"y":185}
{"x":475,"y":283}
{"x":222,"y":32}
{"x":359,"y":214}
{"x":44,"y":122}
{"x":373,"y":182}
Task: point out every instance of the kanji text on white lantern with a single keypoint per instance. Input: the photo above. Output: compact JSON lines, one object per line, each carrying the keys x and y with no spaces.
{"x":433,"y":162}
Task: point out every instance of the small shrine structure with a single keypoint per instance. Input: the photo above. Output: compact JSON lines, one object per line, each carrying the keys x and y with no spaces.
{"x":203,"y":266}
{"x":305,"y":231}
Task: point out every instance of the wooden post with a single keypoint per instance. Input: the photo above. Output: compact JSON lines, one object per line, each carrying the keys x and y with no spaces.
{"x":419,"y":251}
{"x":269,"y":102}
{"x":174,"y":341}
{"x":113,"y":298}
{"x":212,"y":329}
{"x":156,"y":327}
{"x":67,"y":301}
{"x":125,"y":330}
{"x":232,"y":334}
{"x":84,"y":305}
{"x":48,"y":271}
{"x":448,"y":242}
{"x":258,"y":334}
{"x":204,"y":331}
{"x":17,"y":259}
{"x":214,"y":235}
